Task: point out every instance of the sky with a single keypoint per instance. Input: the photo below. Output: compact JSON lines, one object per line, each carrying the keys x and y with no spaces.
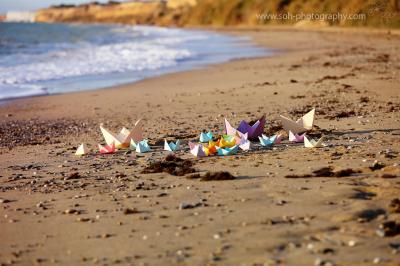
{"x":29,"y":5}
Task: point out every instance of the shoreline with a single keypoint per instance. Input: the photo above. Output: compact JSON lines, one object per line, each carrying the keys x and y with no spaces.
{"x":229,"y":31}
{"x":163,"y":51}
{"x":288,"y":205}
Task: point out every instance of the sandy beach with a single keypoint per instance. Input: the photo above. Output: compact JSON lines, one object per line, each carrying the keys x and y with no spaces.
{"x":287,"y":206}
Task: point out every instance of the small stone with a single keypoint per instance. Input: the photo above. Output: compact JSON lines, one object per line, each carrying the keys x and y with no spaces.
{"x":4,"y":200}
{"x":217,"y":236}
{"x":352,"y":243}
{"x":388,"y":228}
{"x":377,"y":165}
{"x":130,"y":211}
{"x":377,"y":260}
{"x":83,"y":219}
{"x":74,"y":175}
{"x":328,"y":251}
{"x":281,"y":202}
{"x":70,"y":211}
{"x":321,"y":262}
{"x":184,"y":205}
{"x":214,"y":257}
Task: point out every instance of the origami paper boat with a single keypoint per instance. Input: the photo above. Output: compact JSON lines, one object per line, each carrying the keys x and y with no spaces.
{"x":241,"y":138}
{"x":210,"y":149}
{"x":245,"y":145}
{"x":310,"y":143}
{"x":303,"y":124}
{"x":253,"y":131}
{"x":206,"y":137}
{"x":229,"y":138}
{"x":222,"y":143}
{"x":267,"y":141}
{"x":107,"y":148}
{"x":122,"y":140}
{"x":278,"y":139}
{"x":227,"y":151}
{"x":296,"y":137}
{"x":82,"y":150}
{"x":141,"y":146}
{"x":171,"y":146}
{"x":196,"y":149}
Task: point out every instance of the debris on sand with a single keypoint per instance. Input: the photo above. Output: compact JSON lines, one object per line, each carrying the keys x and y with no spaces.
{"x":72,"y":211}
{"x":4,"y":200}
{"x":369,"y":214}
{"x":213,"y":176}
{"x":38,"y":132}
{"x":74,"y":175}
{"x":130,"y":211}
{"x":389,"y":228}
{"x":377,"y":166}
{"x":184,"y":205}
{"x":332,"y":77}
{"x":394,"y":205}
{"x":172,"y":165}
{"x":327,"y":172}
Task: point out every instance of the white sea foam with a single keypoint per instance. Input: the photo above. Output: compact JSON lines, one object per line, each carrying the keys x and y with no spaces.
{"x":92,"y":60}
{"x":55,"y":55}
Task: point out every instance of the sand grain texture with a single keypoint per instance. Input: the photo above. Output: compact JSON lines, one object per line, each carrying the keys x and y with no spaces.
{"x":60,"y":209}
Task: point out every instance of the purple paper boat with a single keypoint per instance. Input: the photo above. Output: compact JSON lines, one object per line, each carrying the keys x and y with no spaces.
{"x":296,"y":137}
{"x":253,"y":132}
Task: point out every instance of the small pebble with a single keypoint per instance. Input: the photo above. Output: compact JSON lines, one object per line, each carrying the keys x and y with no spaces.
{"x":4,"y":200}
{"x":377,"y":260}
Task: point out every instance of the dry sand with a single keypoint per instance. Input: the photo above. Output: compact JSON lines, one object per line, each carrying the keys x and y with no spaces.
{"x":111,"y":213}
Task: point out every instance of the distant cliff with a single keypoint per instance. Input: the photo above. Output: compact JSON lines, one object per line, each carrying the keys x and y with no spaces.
{"x":135,"y":12}
{"x":231,"y":12}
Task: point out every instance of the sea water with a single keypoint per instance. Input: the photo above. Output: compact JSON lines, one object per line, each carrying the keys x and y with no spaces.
{"x":40,"y":59}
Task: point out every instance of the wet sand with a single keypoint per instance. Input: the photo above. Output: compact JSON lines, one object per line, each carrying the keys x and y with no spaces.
{"x":287,"y":206}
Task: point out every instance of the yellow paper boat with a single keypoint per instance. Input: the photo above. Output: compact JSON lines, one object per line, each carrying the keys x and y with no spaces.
{"x":210,"y":149}
{"x":222,"y":143}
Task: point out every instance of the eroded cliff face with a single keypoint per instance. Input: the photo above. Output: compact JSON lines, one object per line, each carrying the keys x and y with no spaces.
{"x":152,"y":13}
{"x":224,"y":12}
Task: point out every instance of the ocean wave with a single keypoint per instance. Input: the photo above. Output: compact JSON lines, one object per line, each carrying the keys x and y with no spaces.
{"x":93,"y":60}
{"x":38,"y":59}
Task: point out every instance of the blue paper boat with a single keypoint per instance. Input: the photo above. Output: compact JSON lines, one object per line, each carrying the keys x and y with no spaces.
{"x":267,"y":141}
{"x":227,"y":151}
{"x":206,"y":137}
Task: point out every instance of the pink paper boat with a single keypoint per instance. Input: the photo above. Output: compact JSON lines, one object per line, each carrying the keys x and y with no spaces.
{"x":278,"y":139}
{"x":107,"y":149}
{"x":196,"y":149}
{"x":253,"y":132}
{"x":296,"y":137}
